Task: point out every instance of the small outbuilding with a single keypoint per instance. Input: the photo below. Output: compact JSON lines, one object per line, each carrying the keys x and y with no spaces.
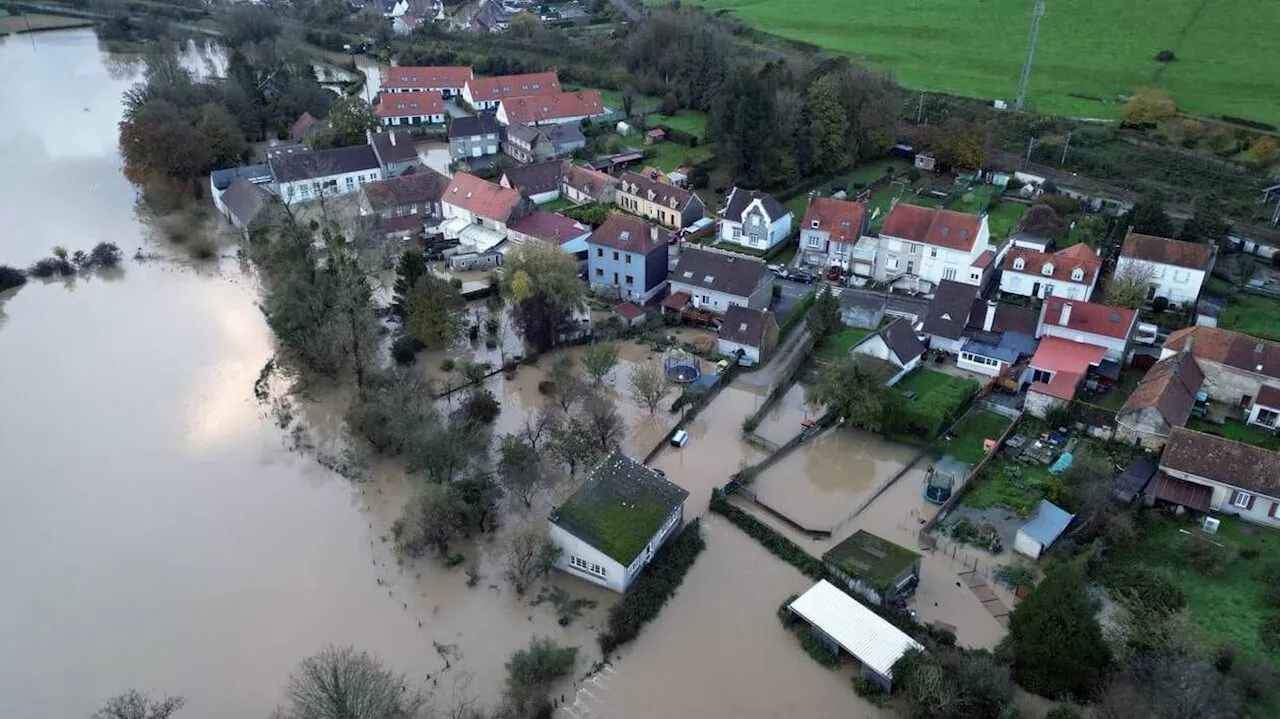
{"x":630,"y":313}
{"x":874,"y":567}
{"x":845,"y":624}
{"x":1043,"y":530}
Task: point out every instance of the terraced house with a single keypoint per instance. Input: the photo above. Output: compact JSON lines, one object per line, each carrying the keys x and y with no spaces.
{"x":410,"y":108}
{"x":664,"y":203}
{"x":1071,"y":273}
{"x":1206,"y":473}
{"x":557,"y":109}
{"x":920,"y":247}
{"x":484,"y":93}
{"x":446,"y":81}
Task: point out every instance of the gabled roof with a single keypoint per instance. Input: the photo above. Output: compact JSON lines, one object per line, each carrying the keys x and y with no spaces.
{"x":550,"y":227}
{"x":1069,"y":361}
{"x":532,"y":109}
{"x":1009,"y":318}
{"x":949,"y":311}
{"x":409,"y":104}
{"x":1061,"y":263}
{"x":744,"y":326}
{"x":222,"y":179}
{"x":985,"y":259}
{"x":640,"y":185}
{"x":899,"y":338}
{"x":472,"y":125}
{"x":502,"y":86}
{"x":1091,"y":317}
{"x":1165,"y":251}
{"x":858,"y":630}
{"x":619,"y":508}
{"x":480,"y":197}
{"x":1233,"y":349}
{"x":842,"y":220}
{"x":394,"y":146}
{"x":426,"y":186}
{"x":739,"y":200}
{"x":872,"y":559}
{"x":1170,"y":387}
{"x":323,"y":163}
{"x":584,"y":179}
{"x":1237,"y":464}
{"x":439,"y":77}
{"x":303,"y":126}
{"x":942,"y":228}
{"x":534,"y":179}
{"x":722,"y":272}
{"x":246,"y":201}
{"x":629,"y":233}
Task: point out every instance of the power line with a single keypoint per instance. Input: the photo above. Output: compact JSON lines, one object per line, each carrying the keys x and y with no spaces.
{"x":1031,"y":53}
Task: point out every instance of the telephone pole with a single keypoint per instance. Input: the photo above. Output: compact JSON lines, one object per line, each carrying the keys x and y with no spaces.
{"x":1031,"y":53}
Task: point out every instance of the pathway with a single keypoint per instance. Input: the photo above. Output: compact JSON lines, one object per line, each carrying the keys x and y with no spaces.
{"x":765,"y":378}
{"x":986,"y":595}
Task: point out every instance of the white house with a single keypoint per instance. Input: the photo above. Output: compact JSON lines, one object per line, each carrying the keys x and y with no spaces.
{"x":895,"y":343}
{"x":1071,"y":273}
{"x":446,"y":81}
{"x":610,"y":528}
{"x":754,"y":219}
{"x":754,"y":333}
{"x":920,"y":247}
{"x":410,"y":108}
{"x":484,"y":93}
{"x":220,"y":180}
{"x":1207,"y":473}
{"x":833,"y":234}
{"x":303,"y":176}
{"x":551,"y":109}
{"x":1089,"y":323}
{"x":715,"y":281}
{"x":1173,"y":269}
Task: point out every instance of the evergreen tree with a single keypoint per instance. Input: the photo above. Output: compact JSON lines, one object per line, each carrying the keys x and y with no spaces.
{"x":830,"y":123}
{"x":412,"y":266}
{"x":1148,"y":218}
{"x":1058,"y":649}
{"x":1206,"y":225}
{"x":823,"y":319}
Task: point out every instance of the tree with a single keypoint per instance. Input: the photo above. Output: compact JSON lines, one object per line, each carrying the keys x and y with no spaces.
{"x":480,"y":407}
{"x":1148,"y":217}
{"x":952,"y":683}
{"x":648,"y":386}
{"x":1147,"y":107}
{"x":432,"y":519}
{"x":341,"y":683}
{"x":11,"y":277}
{"x":392,"y":411}
{"x":742,"y":120}
{"x":543,"y":284}
{"x":221,"y":135}
{"x":479,"y":495}
{"x":565,"y":385}
{"x":1182,"y":687}
{"x":436,"y":312}
{"x":1264,"y":150}
{"x":824,"y":317}
{"x":1206,"y":224}
{"x":852,"y":390}
{"x":670,"y":104}
{"x":531,"y":672}
{"x":571,"y":444}
{"x":830,"y":125}
{"x":349,"y":119}
{"x":133,"y":704}
{"x":248,"y":24}
{"x":1058,"y":649}
{"x":529,"y":554}
{"x":1129,"y":285}
{"x":603,"y":423}
{"x":105,"y":255}
{"x":160,"y":144}
{"x":599,"y":359}
{"x":520,"y":469}
{"x":1042,"y":220}
{"x":963,"y":144}
{"x":411,"y":266}
{"x":628,"y":97}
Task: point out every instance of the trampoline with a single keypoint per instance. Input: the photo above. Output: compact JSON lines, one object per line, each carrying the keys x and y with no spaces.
{"x":681,"y":367}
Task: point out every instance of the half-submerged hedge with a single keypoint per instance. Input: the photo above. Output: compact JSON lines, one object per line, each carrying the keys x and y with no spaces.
{"x":657,"y":583}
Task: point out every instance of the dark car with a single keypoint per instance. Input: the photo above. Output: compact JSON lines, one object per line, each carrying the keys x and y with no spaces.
{"x":801,"y":277}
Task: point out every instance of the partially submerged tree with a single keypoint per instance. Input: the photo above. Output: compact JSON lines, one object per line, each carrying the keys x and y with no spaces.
{"x":529,"y":555}
{"x":531,"y":672}
{"x":520,"y":469}
{"x":411,"y":266}
{"x":433,"y":518}
{"x":602,"y":421}
{"x":436,"y":312}
{"x":852,"y":389}
{"x":544,"y":286}
{"x":341,"y":683}
{"x":565,"y":386}
{"x":598,"y":360}
{"x":952,"y":683}
{"x":571,"y":444}
{"x":133,"y":704}
{"x":649,"y":386}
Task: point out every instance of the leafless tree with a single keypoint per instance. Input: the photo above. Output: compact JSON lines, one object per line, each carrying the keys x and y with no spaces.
{"x":520,"y":469}
{"x":566,"y":385}
{"x":1129,"y":285}
{"x":536,"y":426}
{"x":529,"y":555}
{"x":341,"y":683}
{"x":648,"y":386}
{"x":603,"y":421}
{"x":133,"y":704}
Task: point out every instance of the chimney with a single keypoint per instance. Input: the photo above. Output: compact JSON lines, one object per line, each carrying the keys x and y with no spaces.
{"x":990,"y":319}
{"x":653,"y":233}
{"x":393,"y":138}
{"x":1066,"y":314}
{"x":1186,"y":346}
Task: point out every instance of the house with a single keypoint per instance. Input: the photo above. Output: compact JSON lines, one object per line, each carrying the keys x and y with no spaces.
{"x":627,"y":257}
{"x":754,"y":333}
{"x":895,"y":344}
{"x":1161,"y":402}
{"x":474,"y":136}
{"x":666,"y":204}
{"x":754,"y":219}
{"x":551,"y":109}
{"x":477,"y":213}
{"x":551,"y":230}
{"x":304,"y":176}
{"x":1175,"y":270}
{"x":539,"y":182}
{"x":920,"y":247}
{"x":842,"y":623}
{"x":416,"y":194}
{"x":484,"y":93}
{"x":1237,"y":367}
{"x":395,"y":150}
{"x":997,"y":337}
{"x":948,"y":315}
{"x":1091,"y":323}
{"x":583,"y":185}
{"x":248,"y":207}
{"x":874,"y":568}
{"x":1265,"y":411}
{"x":394,"y":8}
{"x":221,"y":180}
{"x":830,"y":234}
{"x":1042,"y":530}
{"x":1030,"y":241}
{"x":1204,"y":472}
{"x":539,"y":143}
{"x":406,"y":24}
{"x":409,"y":108}
{"x":611,"y":527}
{"x":1056,"y":371}
{"x":305,"y":126}
{"x":1071,"y":273}
{"x":714,"y":281}
{"x":446,"y":81}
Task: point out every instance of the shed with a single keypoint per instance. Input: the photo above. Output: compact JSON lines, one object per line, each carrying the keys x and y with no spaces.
{"x":843,"y":623}
{"x":630,"y":313}
{"x":874,"y":567}
{"x":1043,"y":530}
{"x":1134,"y":480}
{"x":624,"y":128}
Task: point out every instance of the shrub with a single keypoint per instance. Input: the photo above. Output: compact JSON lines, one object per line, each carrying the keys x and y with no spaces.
{"x":1152,"y":589}
{"x":50,"y":266}
{"x":404,"y":349}
{"x":1256,"y":678}
{"x":11,"y":277}
{"x":204,"y":249}
{"x":1165,"y":56}
{"x":657,"y":584}
{"x":1270,"y":633}
{"x":1160,"y":304}
{"x":447,"y":365}
{"x":480,"y":406}
{"x":1208,"y":557}
{"x":455,"y":282}
{"x":868,"y":689}
{"x":1224,"y":657}
{"x":105,"y":254}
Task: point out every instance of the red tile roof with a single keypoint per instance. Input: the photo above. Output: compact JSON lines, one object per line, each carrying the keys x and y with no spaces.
{"x":630,"y":310}
{"x":425,"y":77}
{"x":1268,"y":396}
{"x":1180,"y":491}
{"x":1170,"y":386}
{"x":1064,"y":262}
{"x":406,"y":104}
{"x":302,"y":126}
{"x":1165,"y":251}
{"x":1233,"y":349}
{"x":497,"y":88}
{"x":1091,"y":317}
{"x":984,"y":259}
{"x":1069,"y":361}
{"x":480,"y":197}
{"x":841,"y":219}
{"x":533,"y":109}
{"x":943,"y":228}
{"x":677,"y":300}
{"x":1250,"y":468}
{"x":626,"y":232}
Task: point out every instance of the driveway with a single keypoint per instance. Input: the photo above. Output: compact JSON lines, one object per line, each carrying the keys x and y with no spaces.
{"x":765,"y":378}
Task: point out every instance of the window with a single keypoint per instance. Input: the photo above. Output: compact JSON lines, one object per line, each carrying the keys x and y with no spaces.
{"x":599,"y":252}
{"x":351,"y":183}
{"x":1047,"y":269}
{"x":615,"y":257}
{"x":1041,"y":375}
{"x":1019,"y":263}
{"x":584,"y":565}
{"x":1181,"y":276}
{"x":933,"y":251}
{"x":1077,"y":275}
{"x":1268,"y":418}
{"x":949,"y":273}
{"x":1242,"y":500}
{"x":630,"y":280}
{"x":628,"y":259}
{"x":892,"y":263}
{"x":911,"y":248}
{"x":814,"y":224}
{"x":1048,"y":290}
{"x":599,"y":272}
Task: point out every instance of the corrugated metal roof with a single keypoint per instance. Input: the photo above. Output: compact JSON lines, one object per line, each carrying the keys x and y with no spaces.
{"x":860,"y":631}
{"x":1048,"y":524}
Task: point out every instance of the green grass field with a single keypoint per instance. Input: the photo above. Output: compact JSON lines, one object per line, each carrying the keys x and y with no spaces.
{"x":839,"y":344}
{"x":1252,"y":315}
{"x":970,"y":432}
{"x":667,"y":156}
{"x":1226,"y":53}
{"x":1237,"y":431}
{"x":690,"y":121}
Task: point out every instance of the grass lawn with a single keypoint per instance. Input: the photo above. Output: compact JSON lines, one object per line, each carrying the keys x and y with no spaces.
{"x":966,"y":445}
{"x":926,"y":381}
{"x":557,"y":205}
{"x":1252,"y":315}
{"x":1218,"y":286}
{"x":1238,"y":431}
{"x":861,"y":175}
{"x":839,"y":344}
{"x":690,"y":121}
{"x":668,"y":156}
{"x":1227,"y":608}
{"x":1088,"y":53}
{"x":612,"y":99}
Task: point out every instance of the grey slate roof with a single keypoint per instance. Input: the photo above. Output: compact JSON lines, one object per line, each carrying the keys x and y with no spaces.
{"x":949,"y":311}
{"x":483,"y":124}
{"x":535,"y":179}
{"x":425,"y":186}
{"x":1004,"y":354}
{"x":900,"y":338}
{"x":245,"y":201}
{"x":744,"y":326}
{"x":401,"y":150}
{"x":222,"y":179}
{"x":739,"y":199}
{"x":731,"y":274}
{"x":322,"y":163}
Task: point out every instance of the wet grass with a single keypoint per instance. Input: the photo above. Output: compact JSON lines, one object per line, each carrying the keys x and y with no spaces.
{"x":668,"y":156}
{"x":966,"y":445}
{"x":925,"y":381}
{"x":1253,"y":315}
{"x":1012,"y":484}
{"x":839,"y":344}
{"x":690,"y":121}
{"x":1227,"y":608}
{"x":1239,"y":432}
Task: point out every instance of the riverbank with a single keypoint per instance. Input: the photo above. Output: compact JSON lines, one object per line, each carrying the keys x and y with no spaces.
{"x":21,"y":24}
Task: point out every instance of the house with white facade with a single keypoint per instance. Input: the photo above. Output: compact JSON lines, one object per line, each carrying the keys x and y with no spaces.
{"x":753,"y":333}
{"x":303,"y":176}
{"x":920,"y":247}
{"x":552,"y":230}
{"x":551,"y":109}
{"x":583,"y":185}
{"x":948,"y":315}
{"x":997,"y":337}
{"x":754,"y":219}
{"x":1070,"y":273}
{"x":1092,"y":323}
{"x":221,"y":180}
{"x":833,"y":233}
{"x":410,"y":108}
{"x":1207,"y":473}
{"x":484,"y":93}
{"x":478,"y":213}
{"x":614,"y":524}
{"x":714,"y":281}
{"x":1173,"y":269}
{"x":446,"y":81}
{"x":895,"y":343}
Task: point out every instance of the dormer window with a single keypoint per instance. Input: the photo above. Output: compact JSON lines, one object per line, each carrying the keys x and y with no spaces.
{"x":1047,"y":270}
{"x":1019,"y":263}
{"x":1077,"y":275}
{"x":814,"y":224}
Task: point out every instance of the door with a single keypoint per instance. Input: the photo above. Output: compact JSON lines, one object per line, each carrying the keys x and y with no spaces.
{"x":475,"y":151}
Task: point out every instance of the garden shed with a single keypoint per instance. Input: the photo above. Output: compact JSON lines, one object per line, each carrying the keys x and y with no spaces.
{"x":874,"y":567}
{"x":843,"y":623}
{"x":1037,"y":535}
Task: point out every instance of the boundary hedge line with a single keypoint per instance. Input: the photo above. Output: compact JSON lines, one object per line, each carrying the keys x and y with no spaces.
{"x":657,"y":583}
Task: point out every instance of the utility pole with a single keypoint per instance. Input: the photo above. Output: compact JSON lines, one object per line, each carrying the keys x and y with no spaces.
{"x":1065,"y":145}
{"x":1031,"y":143}
{"x":1031,"y":53}
{"x":920,"y":108}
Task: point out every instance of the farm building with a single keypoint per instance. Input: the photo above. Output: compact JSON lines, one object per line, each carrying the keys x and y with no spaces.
{"x":875,"y":568}
{"x":1043,"y":530}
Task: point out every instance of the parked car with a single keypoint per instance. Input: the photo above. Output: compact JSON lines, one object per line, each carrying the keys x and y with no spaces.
{"x":778,"y":270}
{"x":680,"y":438}
{"x":804,"y":278}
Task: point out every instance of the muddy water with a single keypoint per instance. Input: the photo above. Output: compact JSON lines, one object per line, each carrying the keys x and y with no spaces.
{"x":715,"y":449}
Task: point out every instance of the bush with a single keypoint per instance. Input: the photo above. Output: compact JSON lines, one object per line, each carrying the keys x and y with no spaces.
{"x":1165,"y":56}
{"x":447,"y":365}
{"x":868,"y":689}
{"x":1270,"y":633}
{"x":50,"y":266}
{"x":404,"y":349}
{"x":11,"y":277}
{"x":657,"y":584}
{"x":204,"y":249}
{"x":1224,"y":657}
{"x":455,"y":282}
{"x":1152,"y":589}
{"x":105,"y":254}
{"x":1208,"y":557}
{"x":1256,"y":678}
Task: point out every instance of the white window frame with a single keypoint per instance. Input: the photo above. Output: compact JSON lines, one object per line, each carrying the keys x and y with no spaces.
{"x":1241,"y":500}
{"x":949,"y":273}
{"x":1019,"y":263}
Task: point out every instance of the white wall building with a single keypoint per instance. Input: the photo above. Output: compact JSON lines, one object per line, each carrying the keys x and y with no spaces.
{"x":1071,"y":273}
{"x":716,"y":281}
{"x":1174,"y":270}
{"x":920,"y":247}
{"x":754,"y":219}
{"x":1089,"y":323}
{"x":304,"y":176}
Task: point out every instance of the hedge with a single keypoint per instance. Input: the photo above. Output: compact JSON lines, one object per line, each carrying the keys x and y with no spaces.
{"x":650,"y":593}
{"x":797,"y":314}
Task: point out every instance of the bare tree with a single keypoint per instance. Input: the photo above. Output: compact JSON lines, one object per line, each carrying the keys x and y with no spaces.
{"x":133,"y":704}
{"x":566,"y":385}
{"x":536,"y":426}
{"x":1129,"y":285}
{"x":341,"y":683}
{"x":529,"y":555}
{"x":603,"y":421}
{"x":648,"y":386}
{"x":520,"y":469}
